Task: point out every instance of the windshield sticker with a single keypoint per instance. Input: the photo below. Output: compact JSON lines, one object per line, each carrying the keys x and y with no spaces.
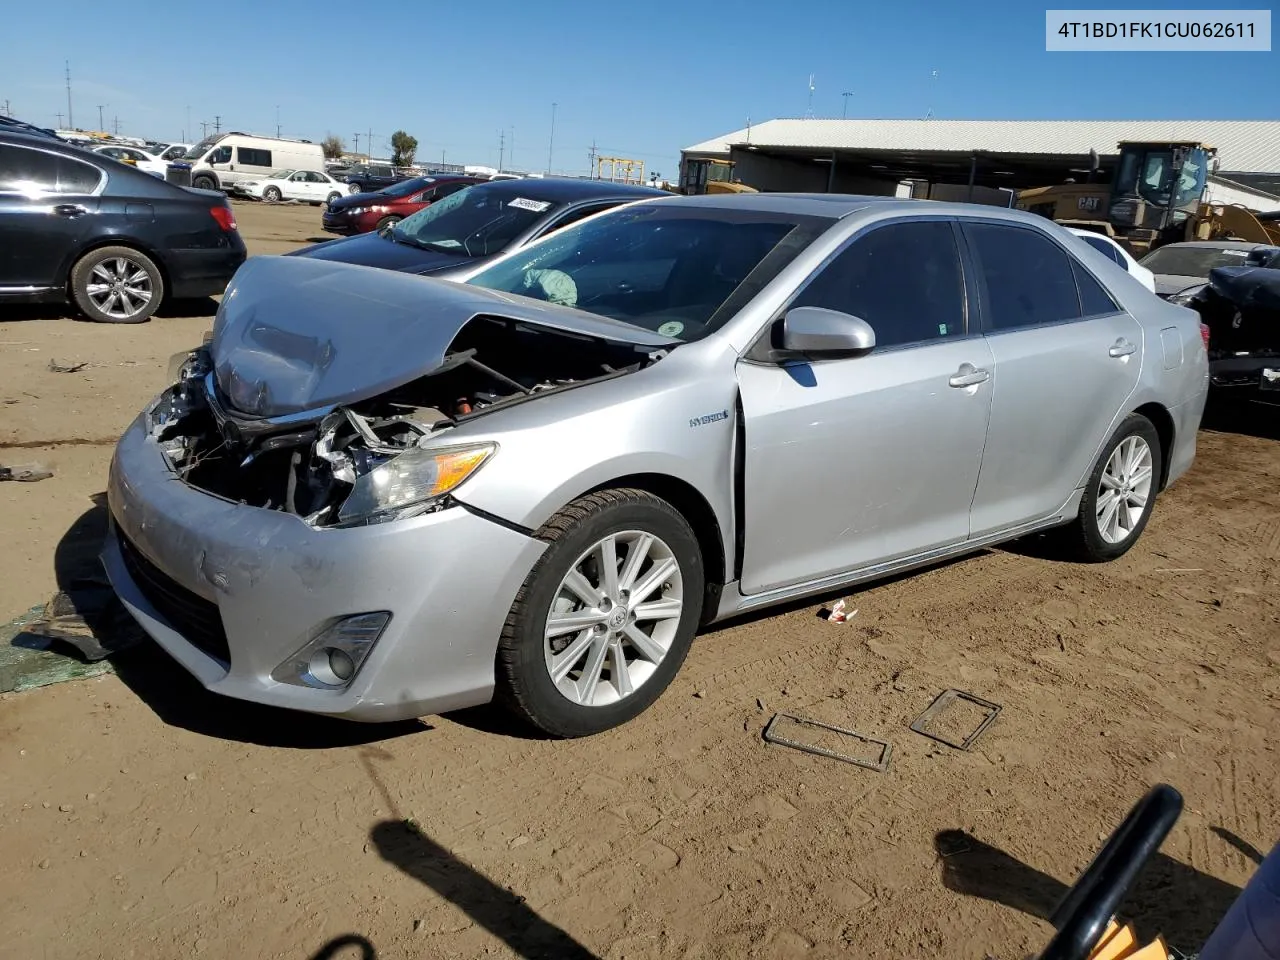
{"x":446,"y":242}
{"x":672,"y":328}
{"x":1235,"y":253}
{"x":521,"y":203}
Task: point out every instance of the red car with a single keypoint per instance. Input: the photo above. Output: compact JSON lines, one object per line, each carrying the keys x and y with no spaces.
{"x":363,"y":212}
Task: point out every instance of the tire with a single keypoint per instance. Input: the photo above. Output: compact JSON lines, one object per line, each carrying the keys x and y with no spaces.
{"x":205,"y":183}
{"x":556,"y":706}
{"x":1089,"y":538}
{"x":332,"y":197}
{"x":272,"y":194}
{"x":353,"y":189}
{"x":105,"y":280}
{"x":388,"y":221}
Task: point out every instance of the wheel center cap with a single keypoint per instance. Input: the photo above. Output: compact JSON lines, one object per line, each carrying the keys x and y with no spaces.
{"x":618,"y":618}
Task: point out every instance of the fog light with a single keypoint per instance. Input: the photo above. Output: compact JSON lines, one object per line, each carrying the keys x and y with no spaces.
{"x":333,"y":657}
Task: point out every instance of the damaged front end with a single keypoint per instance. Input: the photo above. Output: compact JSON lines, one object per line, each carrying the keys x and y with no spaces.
{"x":1241,"y":308}
{"x":379,"y":458}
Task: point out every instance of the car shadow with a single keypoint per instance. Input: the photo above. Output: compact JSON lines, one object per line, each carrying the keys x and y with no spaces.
{"x":175,"y":696}
{"x":169,"y":309}
{"x":1169,"y":898}
{"x":405,"y":844}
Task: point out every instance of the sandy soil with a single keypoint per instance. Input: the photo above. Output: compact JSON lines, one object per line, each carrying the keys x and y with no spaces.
{"x":143,"y":817}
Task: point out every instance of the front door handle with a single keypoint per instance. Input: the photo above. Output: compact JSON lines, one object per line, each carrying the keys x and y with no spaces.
{"x":968,"y":376}
{"x":1122,"y":348}
{"x":69,"y":210}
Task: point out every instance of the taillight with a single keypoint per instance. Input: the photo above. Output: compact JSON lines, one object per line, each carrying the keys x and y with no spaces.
{"x":226,"y":219}
{"x":1204,"y":334}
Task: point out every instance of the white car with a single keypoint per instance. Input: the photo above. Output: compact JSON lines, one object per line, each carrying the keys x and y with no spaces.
{"x":1113,"y":251}
{"x":146,"y":162}
{"x":309,"y":186}
{"x":171,"y":151}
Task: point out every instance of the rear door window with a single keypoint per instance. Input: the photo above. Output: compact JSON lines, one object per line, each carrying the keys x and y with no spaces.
{"x":35,"y":171}
{"x":1027,"y":279}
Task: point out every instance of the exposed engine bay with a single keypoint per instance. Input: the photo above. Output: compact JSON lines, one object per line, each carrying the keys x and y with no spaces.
{"x":322,"y":464}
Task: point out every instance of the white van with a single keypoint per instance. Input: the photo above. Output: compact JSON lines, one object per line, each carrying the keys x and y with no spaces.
{"x":221,"y":160}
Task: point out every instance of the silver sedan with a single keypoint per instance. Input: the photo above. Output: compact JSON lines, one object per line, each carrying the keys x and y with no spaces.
{"x":380,"y":496}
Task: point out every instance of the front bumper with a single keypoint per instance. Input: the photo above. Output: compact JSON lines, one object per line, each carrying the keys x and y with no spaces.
{"x":345,"y":224}
{"x":207,"y":572}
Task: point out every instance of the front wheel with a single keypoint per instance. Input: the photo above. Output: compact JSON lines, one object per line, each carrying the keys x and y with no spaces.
{"x":272,"y":194}
{"x":204,"y":183}
{"x":606,"y":617}
{"x":387,"y":222}
{"x":1119,"y":493}
{"x":353,"y":189}
{"x":332,"y":197}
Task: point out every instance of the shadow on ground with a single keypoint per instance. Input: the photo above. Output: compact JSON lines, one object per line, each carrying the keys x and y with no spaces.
{"x":172,"y":693}
{"x":350,"y":946}
{"x":200,"y":307}
{"x":1242,"y":417}
{"x":1169,"y":898}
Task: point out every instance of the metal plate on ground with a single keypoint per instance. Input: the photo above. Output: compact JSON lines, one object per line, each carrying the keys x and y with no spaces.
{"x":800,"y":734}
{"x":942,"y":702}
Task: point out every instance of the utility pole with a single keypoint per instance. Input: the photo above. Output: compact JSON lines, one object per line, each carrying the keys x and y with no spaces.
{"x":551,"y":142}
{"x":511,"y":152}
{"x":442,"y":156}
{"x":845,"y":115}
{"x":355,"y":151}
{"x":368,"y":144}
{"x":502,"y":146}
{"x":217,"y":123}
{"x":592,"y":157}
{"x":809,"y":110}
{"x":204,"y":129}
{"x":100,"y":106}
{"x":188,"y":126}
{"x":277,"y":121}
{"x":6,"y":108}
{"x":59,"y":116}
{"x":70,"y":122}
{"x":117,"y":124}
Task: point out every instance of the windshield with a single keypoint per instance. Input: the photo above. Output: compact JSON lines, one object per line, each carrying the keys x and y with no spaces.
{"x":474,"y":222}
{"x":200,"y":149}
{"x":1179,"y":261}
{"x":680,"y":272}
{"x":406,"y":187}
{"x":279,"y":174}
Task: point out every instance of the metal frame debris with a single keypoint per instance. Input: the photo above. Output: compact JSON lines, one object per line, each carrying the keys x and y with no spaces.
{"x":944,"y":700}
{"x":879,"y":766}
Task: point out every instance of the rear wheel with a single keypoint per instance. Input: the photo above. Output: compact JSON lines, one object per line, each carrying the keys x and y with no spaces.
{"x":116,"y":285}
{"x":606,"y":617}
{"x":1119,"y":493}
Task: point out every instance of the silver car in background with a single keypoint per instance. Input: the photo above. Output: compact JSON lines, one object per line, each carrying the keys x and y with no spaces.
{"x":380,"y":496}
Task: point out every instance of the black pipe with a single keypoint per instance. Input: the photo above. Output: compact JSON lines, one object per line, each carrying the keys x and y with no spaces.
{"x":1082,"y":916}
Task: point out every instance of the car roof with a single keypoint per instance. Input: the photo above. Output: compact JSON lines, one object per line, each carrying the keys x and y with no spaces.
{"x":1215,"y":245}
{"x":567,"y":190}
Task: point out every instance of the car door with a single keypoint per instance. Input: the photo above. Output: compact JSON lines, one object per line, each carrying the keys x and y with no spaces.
{"x":297,"y":186}
{"x":856,"y":461}
{"x":1066,"y":359}
{"x":48,"y":202}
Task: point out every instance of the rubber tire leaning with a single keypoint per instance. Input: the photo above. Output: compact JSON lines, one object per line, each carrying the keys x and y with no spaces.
{"x":1081,"y":539}
{"x":523,"y":685}
{"x":272,"y":195}
{"x":80,"y":283}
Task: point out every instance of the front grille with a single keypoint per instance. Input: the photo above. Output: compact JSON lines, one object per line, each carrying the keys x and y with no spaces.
{"x":196,"y":618}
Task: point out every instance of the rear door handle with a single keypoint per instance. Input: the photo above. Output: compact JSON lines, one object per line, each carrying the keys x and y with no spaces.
{"x":69,"y":210}
{"x":968,"y":376}
{"x":1122,"y":348}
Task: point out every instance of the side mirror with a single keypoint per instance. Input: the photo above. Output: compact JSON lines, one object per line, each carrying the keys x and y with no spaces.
{"x":818,"y":331}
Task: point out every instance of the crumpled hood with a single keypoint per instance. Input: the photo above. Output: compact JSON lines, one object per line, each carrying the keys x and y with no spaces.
{"x":295,"y":334}
{"x":373,"y":250}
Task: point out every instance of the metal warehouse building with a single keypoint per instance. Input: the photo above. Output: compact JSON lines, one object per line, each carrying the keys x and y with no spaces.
{"x":961,"y":159}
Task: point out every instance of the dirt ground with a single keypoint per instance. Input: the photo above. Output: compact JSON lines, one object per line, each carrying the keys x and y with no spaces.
{"x":142,"y":817}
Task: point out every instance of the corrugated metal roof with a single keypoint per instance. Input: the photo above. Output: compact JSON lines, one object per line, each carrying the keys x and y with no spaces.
{"x":1251,"y":146}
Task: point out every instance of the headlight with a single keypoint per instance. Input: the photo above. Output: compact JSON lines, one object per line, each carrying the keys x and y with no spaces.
{"x":1185,"y":296}
{"x":356,"y":211}
{"x":413,"y":479}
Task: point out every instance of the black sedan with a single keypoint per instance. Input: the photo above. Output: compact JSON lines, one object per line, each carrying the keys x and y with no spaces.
{"x":479,"y":222}
{"x":80,"y":226}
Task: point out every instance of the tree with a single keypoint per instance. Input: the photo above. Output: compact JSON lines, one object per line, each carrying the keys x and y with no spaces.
{"x":333,"y":147}
{"x":403,"y":147}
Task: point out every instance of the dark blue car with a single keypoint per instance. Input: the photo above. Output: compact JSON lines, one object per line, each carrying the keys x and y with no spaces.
{"x":478,"y":223}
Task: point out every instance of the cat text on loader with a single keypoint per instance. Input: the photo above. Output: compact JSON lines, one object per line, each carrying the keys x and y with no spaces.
{"x":701,"y":175}
{"x":1155,"y":196}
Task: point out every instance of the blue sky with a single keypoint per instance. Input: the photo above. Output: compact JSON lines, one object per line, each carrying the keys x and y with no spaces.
{"x":640,"y":80}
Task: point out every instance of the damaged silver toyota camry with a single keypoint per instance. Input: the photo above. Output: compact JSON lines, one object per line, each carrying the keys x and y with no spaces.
{"x":380,"y":496}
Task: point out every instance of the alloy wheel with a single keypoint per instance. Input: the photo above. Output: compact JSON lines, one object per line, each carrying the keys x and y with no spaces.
{"x":120,"y":288}
{"x":613,"y":618}
{"x":1124,"y":489}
